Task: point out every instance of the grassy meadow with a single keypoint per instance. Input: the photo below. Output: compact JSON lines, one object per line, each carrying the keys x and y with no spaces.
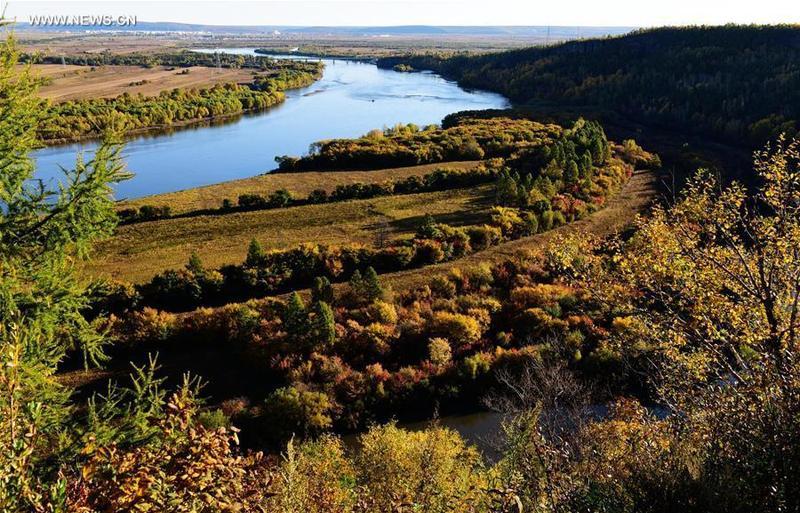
{"x":139,"y":251}
{"x":299,"y":184}
{"x":71,"y":82}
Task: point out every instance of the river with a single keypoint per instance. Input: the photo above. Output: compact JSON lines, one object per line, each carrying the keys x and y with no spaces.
{"x":350,"y":99}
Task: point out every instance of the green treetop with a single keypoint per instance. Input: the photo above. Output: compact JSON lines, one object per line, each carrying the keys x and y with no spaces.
{"x":45,"y":232}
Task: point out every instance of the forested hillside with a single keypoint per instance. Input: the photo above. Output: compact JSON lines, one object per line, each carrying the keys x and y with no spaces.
{"x":738,"y":83}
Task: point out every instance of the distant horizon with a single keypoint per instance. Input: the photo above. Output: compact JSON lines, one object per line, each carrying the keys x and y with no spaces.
{"x":403,"y":13}
{"x":402,"y":25}
{"x":526,"y":32}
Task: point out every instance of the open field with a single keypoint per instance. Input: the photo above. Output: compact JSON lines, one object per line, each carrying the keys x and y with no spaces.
{"x":58,"y":43}
{"x":618,"y":214}
{"x":139,"y":251}
{"x":84,"y":82}
{"x":54,"y":43}
{"x":299,"y":184}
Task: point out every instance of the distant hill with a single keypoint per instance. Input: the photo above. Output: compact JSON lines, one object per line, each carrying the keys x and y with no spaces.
{"x":738,"y":83}
{"x":557,"y":33}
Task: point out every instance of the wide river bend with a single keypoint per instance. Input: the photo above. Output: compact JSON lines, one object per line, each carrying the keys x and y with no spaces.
{"x":350,"y":99}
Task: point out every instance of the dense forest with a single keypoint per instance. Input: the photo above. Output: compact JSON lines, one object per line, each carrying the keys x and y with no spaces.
{"x":739,"y":83}
{"x":84,"y":118}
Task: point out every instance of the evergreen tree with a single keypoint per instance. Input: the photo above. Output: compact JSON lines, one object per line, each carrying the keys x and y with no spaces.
{"x":571,"y":173}
{"x":506,"y":190}
{"x":429,"y":229}
{"x":255,"y":254}
{"x":586,"y":165}
{"x":44,"y":236}
{"x":599,"y":151}
{"x":356,"y":283}
{"x":366,"y":288}
{"x":322,"y":290}
{"x":323,"y":327}
{"x":195,"y":265}
{"x":296,"y":317}
{"x":372,"y":288}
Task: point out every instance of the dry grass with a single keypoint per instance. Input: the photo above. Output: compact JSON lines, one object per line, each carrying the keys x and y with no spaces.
{"x":139,"y":251}
{"x":71,"y":43}
{"x":637,"y":195}
{"x":82,"y":82}
{"x":299,"y":184}
{"x":618,"y":214}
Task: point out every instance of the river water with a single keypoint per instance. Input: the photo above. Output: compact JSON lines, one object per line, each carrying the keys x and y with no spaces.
{"x":349,"y":100}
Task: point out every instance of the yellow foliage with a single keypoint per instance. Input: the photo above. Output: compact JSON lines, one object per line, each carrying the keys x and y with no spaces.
{"x":460,"y":329}
{"x":431,"y":470}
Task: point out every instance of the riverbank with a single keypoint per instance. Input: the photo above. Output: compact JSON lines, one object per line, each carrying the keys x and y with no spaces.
{"x":164,"y":128}
{"x":247,"y":145}
{"x":86,"y":118}
{"x":317,"y":55}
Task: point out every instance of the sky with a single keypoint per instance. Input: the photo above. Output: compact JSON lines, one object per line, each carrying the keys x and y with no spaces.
{"x":639,"y":13}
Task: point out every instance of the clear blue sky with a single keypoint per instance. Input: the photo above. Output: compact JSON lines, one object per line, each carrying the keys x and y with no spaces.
{"x":408,"y":12}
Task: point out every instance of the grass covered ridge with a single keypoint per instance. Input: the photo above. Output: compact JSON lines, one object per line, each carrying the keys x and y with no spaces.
{"x":211,"y":196}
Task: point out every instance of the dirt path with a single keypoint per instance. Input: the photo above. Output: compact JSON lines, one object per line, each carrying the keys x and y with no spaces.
{"x":620,"y":211}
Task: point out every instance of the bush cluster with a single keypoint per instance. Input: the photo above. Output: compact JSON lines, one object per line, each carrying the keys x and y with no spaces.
{"x":471,"y":138}
{"x":143,"y":213}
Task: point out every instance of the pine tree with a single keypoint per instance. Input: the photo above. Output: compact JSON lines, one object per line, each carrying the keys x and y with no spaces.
{"x":322,"y":290}
{"x":296,"y":317}
{"x":571,"y":173}
{"x":323,"y":328}
{"x":44,"y":236}
{"x":195,"y":265}
{"x":255,"y":254}
{"x":599,"y":150}
{"x":586,"y":165}
{"x":356,"y":283}
{"x":372,"y":288}
{"x":429,"y":229}
{"x":506,"y":190}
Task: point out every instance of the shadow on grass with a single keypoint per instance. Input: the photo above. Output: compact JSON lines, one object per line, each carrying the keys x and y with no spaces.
{"x":475,"y":212}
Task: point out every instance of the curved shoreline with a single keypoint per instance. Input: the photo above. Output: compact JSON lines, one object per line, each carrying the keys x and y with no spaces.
{"x":179,"y":156}
{"x":161,"y":129}
{"x":164,"y":128}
